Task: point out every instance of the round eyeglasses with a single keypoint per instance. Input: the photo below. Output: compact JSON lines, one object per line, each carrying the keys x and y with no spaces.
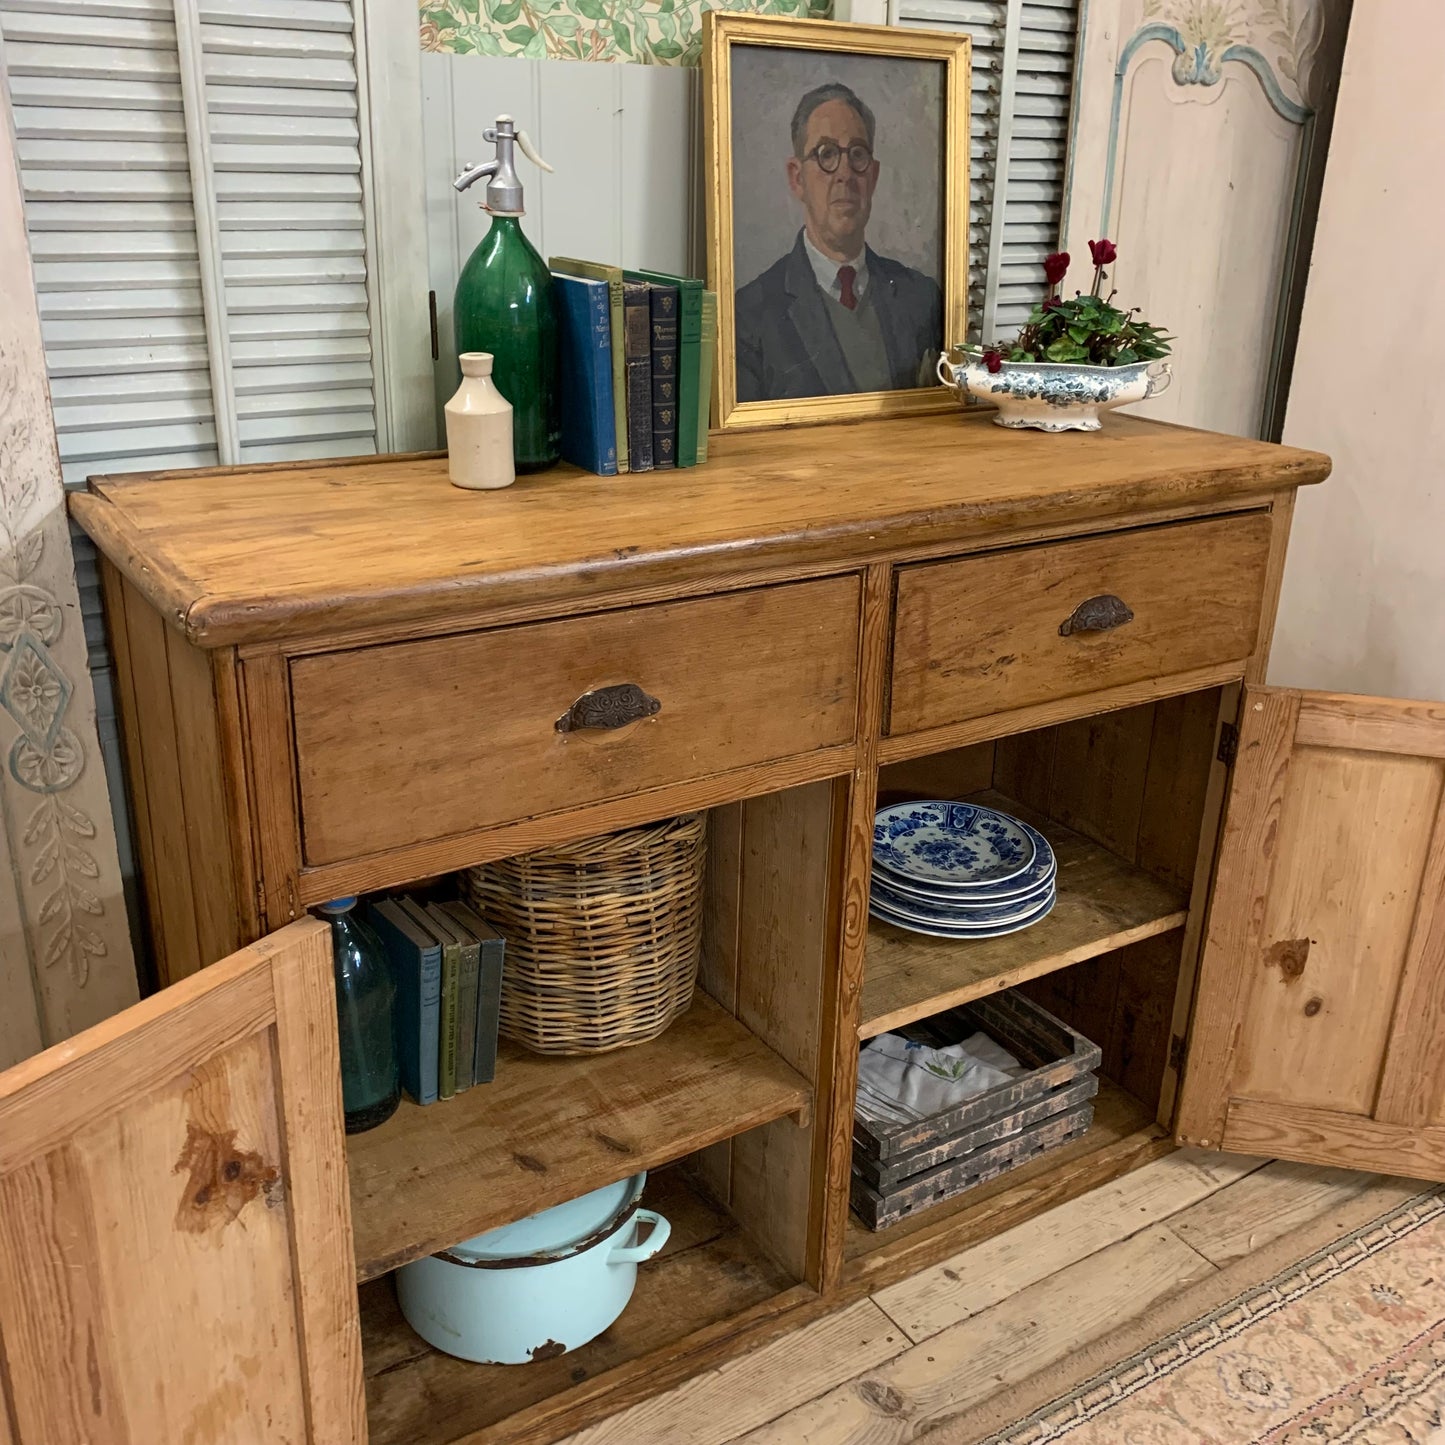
{"x":829,"y":155}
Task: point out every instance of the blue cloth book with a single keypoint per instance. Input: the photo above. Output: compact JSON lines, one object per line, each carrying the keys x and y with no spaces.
{"x":589,"y":418}
{"x":416,"y":969}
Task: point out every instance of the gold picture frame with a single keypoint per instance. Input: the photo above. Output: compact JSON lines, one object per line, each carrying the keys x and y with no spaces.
{"x":722,"y":31}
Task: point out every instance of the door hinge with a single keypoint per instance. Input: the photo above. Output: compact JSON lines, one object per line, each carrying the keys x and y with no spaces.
{"x":1228,"y":744}
{"x":1176,"y":1052}
{"x":436,"y":345}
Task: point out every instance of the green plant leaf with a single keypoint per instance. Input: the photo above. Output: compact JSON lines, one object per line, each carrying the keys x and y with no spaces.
{"x":667,"y":27}
{"x":564,"y":25}
{"x":1065,"y":349}
{"x":666,"y":49}
{"x":521,"y":34}
{"x":536,"y":47}
{"x":592,"y":9}
{"x":621,"y":35}
{"x":1126,"y":357}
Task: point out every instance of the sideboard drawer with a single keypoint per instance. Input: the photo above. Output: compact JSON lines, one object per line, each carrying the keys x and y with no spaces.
{"x":406,"y":742}
{"x":988,"y":634}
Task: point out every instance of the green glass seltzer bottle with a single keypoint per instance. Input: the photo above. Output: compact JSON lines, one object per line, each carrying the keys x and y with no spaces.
{"x":365,"y":1019}
{"x":505,"y":304}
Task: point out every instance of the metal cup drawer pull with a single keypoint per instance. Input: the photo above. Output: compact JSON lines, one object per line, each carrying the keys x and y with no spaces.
{"x":609,"y":707}
{"x":1097,"y":614}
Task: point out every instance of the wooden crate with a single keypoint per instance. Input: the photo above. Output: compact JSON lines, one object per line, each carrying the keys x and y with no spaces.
{"x":901,"y":1168}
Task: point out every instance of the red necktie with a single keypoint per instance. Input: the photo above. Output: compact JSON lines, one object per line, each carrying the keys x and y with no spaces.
{"x":846,"y":294}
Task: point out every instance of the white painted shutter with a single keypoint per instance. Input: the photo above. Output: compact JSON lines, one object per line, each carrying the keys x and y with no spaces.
{"x":1023,"y":65}
{"x":194,"y":199}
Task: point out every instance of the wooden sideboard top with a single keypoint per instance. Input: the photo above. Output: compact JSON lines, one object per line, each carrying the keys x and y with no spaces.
{"x":236,"y":554}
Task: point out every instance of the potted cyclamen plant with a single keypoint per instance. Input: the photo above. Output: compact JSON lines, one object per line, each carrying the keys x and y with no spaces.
{"x":1071,"y":360}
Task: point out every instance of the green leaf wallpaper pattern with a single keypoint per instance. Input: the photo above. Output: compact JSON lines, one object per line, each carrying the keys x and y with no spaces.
{"x":644,"y":32}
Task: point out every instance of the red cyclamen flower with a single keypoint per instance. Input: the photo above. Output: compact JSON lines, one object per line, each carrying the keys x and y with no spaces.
{"x":1056,"y":267}
{"x":1052,"y":303}
{"x":1105,"y":253}
{"x":993,"y":359}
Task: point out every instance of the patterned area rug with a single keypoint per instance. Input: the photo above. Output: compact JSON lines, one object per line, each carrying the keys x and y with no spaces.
{"x":1346,"y":1345}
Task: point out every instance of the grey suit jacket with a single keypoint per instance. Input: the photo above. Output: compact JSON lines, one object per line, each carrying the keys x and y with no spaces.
{"x":785,"y":344}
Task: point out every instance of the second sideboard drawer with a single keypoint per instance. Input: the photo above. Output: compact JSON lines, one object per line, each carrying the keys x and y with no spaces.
{"x":988,"y":634}
{"x":405,"y":742}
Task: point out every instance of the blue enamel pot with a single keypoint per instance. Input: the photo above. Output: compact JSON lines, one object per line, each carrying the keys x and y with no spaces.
{"x":536,"y":1288}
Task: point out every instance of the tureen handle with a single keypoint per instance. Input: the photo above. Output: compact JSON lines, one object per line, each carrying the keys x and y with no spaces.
{"x":1159,"y":380}
{"x":944,"y":371}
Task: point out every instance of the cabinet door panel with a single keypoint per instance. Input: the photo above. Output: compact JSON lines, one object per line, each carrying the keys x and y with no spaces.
{"x":1319,"y":1031}
{"x":175,"y":1245}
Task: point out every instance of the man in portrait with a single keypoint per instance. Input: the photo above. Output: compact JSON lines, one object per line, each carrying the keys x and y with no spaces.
{"x":833,"y":317}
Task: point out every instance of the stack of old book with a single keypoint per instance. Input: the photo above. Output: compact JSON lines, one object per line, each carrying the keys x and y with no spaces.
{"x":636,"y":366}
{"x":447,"y":965}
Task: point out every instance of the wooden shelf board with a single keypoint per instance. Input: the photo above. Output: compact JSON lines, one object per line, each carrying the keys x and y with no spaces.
{"x":551,"y":1128}
{"x":1103,"y":904}
{"x":708,"y":1273}
{"x":1122,"y":1136}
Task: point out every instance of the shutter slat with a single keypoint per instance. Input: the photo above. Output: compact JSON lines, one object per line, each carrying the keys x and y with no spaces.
{"x":103,"y":155}
{"x":283,"y":14}
{"x":292,"y":380}
{"x":70,"y":123}
{"x":88,"y":62}
{"x":94,"y":93}
{"x":294,"y":271}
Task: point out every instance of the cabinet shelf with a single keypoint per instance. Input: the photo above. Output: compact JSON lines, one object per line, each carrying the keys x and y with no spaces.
{"x":1104,"y":903}
{"x":551,"y":1128}
{"x":709,"y":1272}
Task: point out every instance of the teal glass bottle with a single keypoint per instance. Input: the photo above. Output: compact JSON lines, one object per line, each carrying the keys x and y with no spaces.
{"x":505,"y":304}
{"x":365,"y":1018}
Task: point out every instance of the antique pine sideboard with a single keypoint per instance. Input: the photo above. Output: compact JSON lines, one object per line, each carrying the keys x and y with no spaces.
{"x":342,"y":676}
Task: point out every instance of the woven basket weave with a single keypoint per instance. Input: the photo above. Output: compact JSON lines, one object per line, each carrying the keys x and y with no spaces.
{"x":603,"y":936}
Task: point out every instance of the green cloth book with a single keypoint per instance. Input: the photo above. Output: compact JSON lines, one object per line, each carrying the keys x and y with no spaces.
{"x":689,"y":356}
{"x":416,"y":968}
{"x":489,"y":988}
{"x":612,"y":275}
{"x":447,"y":1023}
{"x":446,"y":927}
{"x":707,"y":355}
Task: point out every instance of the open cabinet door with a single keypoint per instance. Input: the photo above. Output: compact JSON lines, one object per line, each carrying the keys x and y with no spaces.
{"x":175,"y":1241}
{"x":1319,"y":1024}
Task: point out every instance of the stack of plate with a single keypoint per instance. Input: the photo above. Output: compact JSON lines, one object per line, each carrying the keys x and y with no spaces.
{"x":955,"y":870}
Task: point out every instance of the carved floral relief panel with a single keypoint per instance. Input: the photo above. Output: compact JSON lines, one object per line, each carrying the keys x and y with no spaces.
{"x":65,"y":955}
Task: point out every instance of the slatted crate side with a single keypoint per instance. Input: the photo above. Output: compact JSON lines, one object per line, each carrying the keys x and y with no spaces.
{"x":878,"y":1209}
{"x":884,"y":1175}
{"x":1060,"y":1056}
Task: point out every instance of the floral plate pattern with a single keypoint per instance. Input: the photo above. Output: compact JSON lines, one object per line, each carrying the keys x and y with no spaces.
{"x":955,"y":914}
{"x":1028,"y":884}
{"x":958,"y":845}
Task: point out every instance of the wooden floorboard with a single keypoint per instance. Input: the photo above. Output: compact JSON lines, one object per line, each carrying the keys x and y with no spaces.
{"x":963,"y":1330}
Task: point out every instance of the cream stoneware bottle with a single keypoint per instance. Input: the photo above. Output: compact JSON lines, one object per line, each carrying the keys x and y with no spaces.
{"x":479,"y":428}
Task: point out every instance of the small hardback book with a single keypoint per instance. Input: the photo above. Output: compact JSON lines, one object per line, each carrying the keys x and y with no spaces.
{"x":664,"y":310}
{"x":637,"y":346}
{"x":451,"y":952}
{"x":612,"y":275}
{"x":416,"y":970}
{"x":489,"y":988}
{"x":707,"y":353}
{"x":446,"y":927}
{"x":589,"y":436}
{"x":689,"y":349}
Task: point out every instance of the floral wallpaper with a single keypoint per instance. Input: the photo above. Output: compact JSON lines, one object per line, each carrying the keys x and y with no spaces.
{"x":645,"y":32}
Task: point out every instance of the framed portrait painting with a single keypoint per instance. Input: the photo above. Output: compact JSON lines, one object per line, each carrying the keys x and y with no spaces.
{"x":837,"y":215}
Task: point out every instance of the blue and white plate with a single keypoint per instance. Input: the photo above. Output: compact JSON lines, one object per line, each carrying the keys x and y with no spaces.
{"x":952,"y":912}
{"x":1041,"y":872}
{"x":960,"y":930}
{"x":956,"y":844}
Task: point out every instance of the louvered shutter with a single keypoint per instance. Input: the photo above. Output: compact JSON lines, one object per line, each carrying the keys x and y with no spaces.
{"x":1023,"y":65}
{"x":195,"y":204}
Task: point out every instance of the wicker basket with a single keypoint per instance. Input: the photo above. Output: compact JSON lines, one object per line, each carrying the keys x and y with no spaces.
{"x":602,"y":936}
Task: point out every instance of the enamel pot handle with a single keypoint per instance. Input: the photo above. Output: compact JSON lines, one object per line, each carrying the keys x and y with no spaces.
{"x":636,"y":1253}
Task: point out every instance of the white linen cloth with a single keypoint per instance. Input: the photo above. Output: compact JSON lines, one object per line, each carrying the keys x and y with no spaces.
{"x":900,"y":1080}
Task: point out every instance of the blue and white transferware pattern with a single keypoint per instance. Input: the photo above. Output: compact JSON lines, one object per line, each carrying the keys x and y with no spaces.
{"x":962,"y":930}
{"x":953,"y":912}
{"x":1051,"y":395}
{"x":1028,"y":884}
{"x":957,"y":844}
